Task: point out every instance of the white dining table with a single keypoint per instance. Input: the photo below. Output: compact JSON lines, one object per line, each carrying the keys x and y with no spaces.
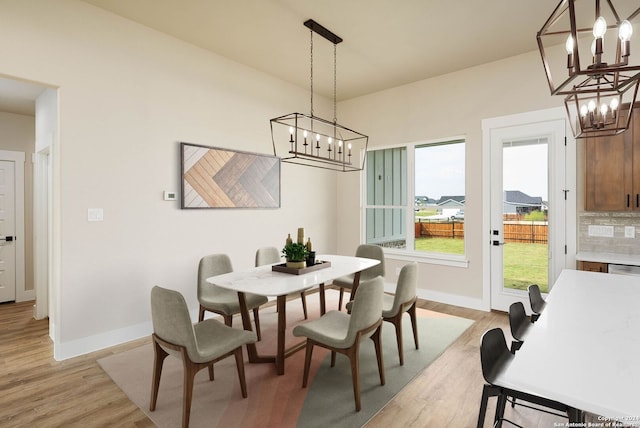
{"x":266,"y":282}
{"x":584,"y":350}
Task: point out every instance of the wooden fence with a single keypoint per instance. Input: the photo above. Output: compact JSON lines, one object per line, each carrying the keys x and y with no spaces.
{"x":514,"y":231}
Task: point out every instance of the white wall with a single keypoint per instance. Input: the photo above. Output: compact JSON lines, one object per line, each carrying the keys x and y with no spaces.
{"x":127,"y":97}
{"x":442,"y":107}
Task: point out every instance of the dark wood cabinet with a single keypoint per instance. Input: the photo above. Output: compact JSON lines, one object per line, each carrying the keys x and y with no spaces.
{"x":593,"y":266}
{"x":612,"y":170}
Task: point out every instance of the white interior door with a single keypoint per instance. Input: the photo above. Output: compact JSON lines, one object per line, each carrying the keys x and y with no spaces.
{"x":7,"y":232}
{"x":527,"y":219}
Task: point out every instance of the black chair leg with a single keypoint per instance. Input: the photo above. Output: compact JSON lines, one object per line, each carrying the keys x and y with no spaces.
{"x":483,"y":406}
{"x":499,"y":417}
{"x":487,"y":391}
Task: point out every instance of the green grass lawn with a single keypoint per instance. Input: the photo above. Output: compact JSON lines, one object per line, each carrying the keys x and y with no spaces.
{"x":524,"y":264}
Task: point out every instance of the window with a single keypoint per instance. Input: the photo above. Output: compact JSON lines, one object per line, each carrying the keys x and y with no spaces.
{"x":415,"y":198}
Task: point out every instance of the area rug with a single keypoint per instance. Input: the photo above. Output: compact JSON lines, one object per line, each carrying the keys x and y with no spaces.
{"x":280,"y":401}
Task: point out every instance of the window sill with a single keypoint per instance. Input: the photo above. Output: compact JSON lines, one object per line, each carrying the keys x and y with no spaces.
{"x":429,"y":258}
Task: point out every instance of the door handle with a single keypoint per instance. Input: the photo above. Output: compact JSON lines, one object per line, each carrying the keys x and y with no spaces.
{"x":498,"y":243}
{"x":6,"y":238}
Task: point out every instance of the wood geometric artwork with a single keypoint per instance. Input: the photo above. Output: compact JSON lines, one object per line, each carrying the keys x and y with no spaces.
{"x":221,"y":178}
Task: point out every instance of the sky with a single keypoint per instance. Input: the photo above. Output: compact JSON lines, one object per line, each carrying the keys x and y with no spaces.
{"x":525,"y":169}
{"x":440,"y":170}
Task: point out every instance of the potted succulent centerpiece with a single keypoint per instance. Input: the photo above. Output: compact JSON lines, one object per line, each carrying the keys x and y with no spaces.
{"x":296,"y":255}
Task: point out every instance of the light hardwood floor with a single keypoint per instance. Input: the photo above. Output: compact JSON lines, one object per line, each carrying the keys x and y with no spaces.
{"x":36,"y":390}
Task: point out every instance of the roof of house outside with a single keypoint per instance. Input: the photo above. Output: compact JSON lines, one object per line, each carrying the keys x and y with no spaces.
{"x":459,"y":199}
{"x":517,"y":197}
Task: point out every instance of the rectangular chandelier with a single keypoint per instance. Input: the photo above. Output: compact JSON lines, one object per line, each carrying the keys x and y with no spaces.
{"x":314,"y":141}
{"x":317,"y":142}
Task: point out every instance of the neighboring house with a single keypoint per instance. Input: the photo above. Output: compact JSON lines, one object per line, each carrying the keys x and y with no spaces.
{"x":517,"y":202}
{"x":450,"y":205}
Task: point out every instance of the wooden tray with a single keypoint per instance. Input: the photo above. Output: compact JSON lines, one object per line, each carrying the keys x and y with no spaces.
{"x":320,"y":264}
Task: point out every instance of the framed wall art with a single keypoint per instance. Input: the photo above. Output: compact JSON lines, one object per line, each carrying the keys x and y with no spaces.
{"x":214,"y":177}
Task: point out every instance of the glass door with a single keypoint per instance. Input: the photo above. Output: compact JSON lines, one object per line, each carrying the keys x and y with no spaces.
{"x":523,"y":235}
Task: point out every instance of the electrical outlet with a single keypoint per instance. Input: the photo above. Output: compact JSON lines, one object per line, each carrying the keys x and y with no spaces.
{"x":600,"y":231}
{"x":629,"y":232}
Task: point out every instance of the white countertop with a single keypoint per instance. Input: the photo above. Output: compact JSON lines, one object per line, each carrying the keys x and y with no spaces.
{"x":583,"y":351}
{"x":621,"y":259}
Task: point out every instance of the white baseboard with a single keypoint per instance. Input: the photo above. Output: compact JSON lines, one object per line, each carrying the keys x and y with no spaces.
{"x":452,"y":299}
{"x":74,"y":348}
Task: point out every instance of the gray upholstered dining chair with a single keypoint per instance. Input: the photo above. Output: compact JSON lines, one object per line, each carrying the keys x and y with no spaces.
{"x":404,"y":300}
{"x":220,"y":300}
{"x":367,"y":251}
{"x":536,"y":300}
{"x":519,"y":324}
{"x":270,"y":255}
{"x":198,"y":346}
{"x":342,"y":333}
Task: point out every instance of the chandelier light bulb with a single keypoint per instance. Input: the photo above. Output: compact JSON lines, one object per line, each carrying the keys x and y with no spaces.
{"x":584,"y":110}
{"x":614,"y":104}
{"x":593,"y":48}
{"x":305,"y":133}
{"x":330,"y":140}
{"x":625,"y":31}
{"x":591,"y":106}
{"x":317,"y":137}
{"x":603,"y":109}
{"x":569,"y":45}
{"x":599,"y":28}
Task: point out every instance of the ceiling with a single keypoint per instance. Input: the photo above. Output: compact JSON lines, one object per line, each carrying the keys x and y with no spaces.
{"x":386,"y":43}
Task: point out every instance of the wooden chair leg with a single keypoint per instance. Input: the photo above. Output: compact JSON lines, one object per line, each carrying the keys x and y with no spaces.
{"x":333,"y":358}
{"x":307,"y":362}
{"x":376,"y":337}
{"x":201,"y":314}
{"x":397,"y":323}
{"x":240,"y":365}
{"x":228,"y":320}
{"x":256,"y":319}
{"x":340,"y":298}
{"x":414,"y":323}
{"x":303,"y":299}
{"x":211,"y":375}
{"x":158,"y":361}
{"x":190,"y":370}
{"x":352,"y":353}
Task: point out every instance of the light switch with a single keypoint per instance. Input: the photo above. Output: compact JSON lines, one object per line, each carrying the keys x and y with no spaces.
{"x":95,"y":214}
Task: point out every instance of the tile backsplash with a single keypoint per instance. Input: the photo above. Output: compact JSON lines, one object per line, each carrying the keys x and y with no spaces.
{"x":618,"y":244}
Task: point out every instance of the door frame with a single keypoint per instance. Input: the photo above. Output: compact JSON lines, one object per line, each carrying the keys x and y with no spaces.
{"x":41,"y":232}
{"x":570,"y":232}
{"x":18,"y":159}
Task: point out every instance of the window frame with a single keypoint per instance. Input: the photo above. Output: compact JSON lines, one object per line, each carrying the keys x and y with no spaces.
{"x":409,"y":253}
